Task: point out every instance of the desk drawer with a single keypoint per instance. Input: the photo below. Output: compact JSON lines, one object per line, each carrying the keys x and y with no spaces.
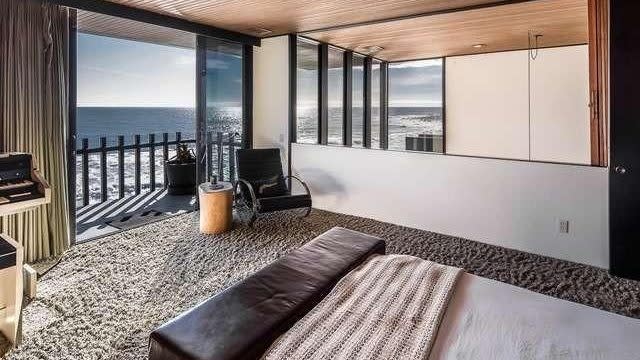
{"x":7,"y":260}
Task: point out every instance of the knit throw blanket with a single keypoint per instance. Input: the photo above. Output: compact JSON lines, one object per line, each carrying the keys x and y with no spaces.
{"x":390,"y":307}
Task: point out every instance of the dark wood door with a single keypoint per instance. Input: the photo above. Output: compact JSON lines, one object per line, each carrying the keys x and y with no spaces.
{"x":624,"y":170}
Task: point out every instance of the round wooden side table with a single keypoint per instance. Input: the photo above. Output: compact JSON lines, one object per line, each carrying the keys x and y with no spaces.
{"x":216,"y":214}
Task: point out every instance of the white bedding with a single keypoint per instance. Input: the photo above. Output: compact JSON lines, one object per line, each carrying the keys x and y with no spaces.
{"x":487,"y":319}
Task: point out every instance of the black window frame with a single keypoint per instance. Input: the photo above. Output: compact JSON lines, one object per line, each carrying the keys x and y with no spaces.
{"x":322,"y":58}
{"x":347,"y":101}
{"x":347,"y":94}
{"x":202,"y":41}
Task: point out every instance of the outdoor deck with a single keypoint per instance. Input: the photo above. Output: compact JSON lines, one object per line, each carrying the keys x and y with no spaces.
{"x":105,"y":218}
{"x":120,"y":187}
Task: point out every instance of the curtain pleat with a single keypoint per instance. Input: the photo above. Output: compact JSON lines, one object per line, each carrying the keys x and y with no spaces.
{"x":33,"y":100}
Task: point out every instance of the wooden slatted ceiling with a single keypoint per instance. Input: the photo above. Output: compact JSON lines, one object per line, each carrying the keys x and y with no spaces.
{"x":290,"y":16}
{"x":503,"y":27}
{"x":561,"y":22}
{"x":105,"y":25}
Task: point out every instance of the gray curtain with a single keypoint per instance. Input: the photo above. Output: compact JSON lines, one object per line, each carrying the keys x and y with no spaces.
{"x":34,"y":115}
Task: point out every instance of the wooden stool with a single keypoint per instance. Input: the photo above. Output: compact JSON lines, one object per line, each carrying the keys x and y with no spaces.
{"x":215,"y":208}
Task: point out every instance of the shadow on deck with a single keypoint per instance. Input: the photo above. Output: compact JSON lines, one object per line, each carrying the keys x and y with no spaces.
{"x":98,"y":220}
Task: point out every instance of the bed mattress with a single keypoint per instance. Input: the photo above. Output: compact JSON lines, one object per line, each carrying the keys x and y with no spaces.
{"x":487,"y":319}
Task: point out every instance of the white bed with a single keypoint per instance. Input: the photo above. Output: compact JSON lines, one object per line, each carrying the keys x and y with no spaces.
{"x":487,"y":319}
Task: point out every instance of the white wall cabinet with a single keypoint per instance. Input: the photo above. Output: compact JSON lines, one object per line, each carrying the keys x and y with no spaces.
{"x":494,"y":109}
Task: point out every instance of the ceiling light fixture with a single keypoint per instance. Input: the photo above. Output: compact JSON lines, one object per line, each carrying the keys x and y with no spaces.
{"x":259,"y":31}
{"x":479,"y":46}
{"x":369,"y":49}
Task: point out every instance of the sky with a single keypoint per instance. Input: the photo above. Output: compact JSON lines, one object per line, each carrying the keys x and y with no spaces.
{"x":115,"y":72}
{"x":415,"y":83}
{"x":411,"y":84}
{"x":123,"y":73}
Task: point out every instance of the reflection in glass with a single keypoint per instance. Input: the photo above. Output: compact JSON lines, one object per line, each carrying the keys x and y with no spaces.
{"x":358,"y":101}
{"x":307,"y":92}
{"x":224,"y":102}
{"x":415,"y":106}
{"x":335,"y":85}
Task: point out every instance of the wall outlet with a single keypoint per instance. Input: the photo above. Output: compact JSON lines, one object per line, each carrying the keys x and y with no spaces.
{"x":564,"y":226}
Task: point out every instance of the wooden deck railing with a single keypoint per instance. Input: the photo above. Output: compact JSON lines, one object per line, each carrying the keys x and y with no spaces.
{"x":219,"y":142}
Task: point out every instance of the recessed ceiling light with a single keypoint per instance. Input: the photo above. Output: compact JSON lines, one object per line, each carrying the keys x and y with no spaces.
{"x":259,"y":31}
{"x":369,"y":49}
{"x":479,"y":46}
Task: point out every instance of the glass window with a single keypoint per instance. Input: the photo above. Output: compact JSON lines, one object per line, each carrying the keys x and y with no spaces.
{"x":415,"y":106}
{"x":357,"y":117}
{"x":224,"y":105}
{"x":127,"y":87}
{"x":335,"y":85}
{"x":307,"y":92}
{"x":375,"y":104}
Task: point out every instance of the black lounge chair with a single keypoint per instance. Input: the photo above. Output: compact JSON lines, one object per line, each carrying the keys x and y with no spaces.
{"x":262,"y":185}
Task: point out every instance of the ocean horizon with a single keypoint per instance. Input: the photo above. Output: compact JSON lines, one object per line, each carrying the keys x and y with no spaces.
{"x":94,"y":122}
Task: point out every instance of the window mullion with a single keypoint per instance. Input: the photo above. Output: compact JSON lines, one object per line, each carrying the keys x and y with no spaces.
{"x":384,"y":105}
{"x":366,"y":116}
{"x":323,"y":94}
{"x":347,"y":100}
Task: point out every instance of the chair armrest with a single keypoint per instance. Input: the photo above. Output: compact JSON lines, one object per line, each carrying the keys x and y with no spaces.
{"x":304,"y":184}
{"x":254,"y":200}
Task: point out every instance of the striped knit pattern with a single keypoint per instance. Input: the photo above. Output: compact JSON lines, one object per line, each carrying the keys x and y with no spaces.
{"x":390,"y":307}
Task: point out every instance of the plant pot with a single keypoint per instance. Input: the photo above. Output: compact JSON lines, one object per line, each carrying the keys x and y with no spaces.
{"x":181,"y":177}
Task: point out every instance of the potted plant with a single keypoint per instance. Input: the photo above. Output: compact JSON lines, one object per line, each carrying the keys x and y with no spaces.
{"x":181,"y":172}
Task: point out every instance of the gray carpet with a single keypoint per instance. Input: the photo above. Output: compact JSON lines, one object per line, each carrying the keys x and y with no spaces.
{"x":105,"y":296}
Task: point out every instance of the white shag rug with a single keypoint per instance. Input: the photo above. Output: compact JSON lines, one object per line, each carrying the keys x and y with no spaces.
{"x":104,"y":297}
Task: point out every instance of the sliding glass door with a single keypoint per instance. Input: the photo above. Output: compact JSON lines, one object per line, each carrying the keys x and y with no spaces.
{"x":223,"y":119}
{"x":131,"y":100}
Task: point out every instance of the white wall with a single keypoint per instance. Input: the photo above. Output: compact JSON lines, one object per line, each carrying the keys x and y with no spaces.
{"x":514,"y":204}
{"x":271,"y":95}
{"x":488,"y":105}
{"x":508,"y":203}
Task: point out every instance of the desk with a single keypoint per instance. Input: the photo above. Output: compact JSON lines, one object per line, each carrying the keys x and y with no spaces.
{"x":11,"y":255}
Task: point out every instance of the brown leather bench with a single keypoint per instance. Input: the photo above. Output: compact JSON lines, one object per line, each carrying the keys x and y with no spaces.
{"x":243,"y":321}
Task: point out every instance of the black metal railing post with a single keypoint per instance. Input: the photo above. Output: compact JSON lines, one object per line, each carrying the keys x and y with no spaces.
{"x":136,"y":151}
{"x":165,"y":157}
{"x":209,"y":155}
{"x":219,"y":148}
{"x":103,"y":169}
{"x":121,"y":166}
{"x":152,"y":162}
{"x":85,"y":171}
{"x":232,"y":151}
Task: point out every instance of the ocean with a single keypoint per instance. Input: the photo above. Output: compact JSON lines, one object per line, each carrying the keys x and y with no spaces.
{"x":403,"y":122}
{"x":110,"y":122}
